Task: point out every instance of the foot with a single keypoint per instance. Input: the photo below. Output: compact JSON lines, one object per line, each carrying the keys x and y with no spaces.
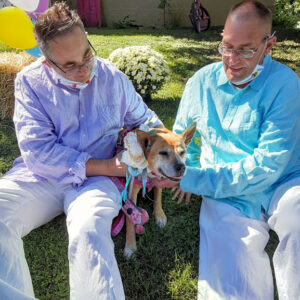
{"x":129,"y":251}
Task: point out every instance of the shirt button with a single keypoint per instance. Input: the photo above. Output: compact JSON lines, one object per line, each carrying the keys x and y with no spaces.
{"x":82,"y":116}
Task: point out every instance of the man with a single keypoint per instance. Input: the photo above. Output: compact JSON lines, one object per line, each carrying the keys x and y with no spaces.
{"x":247,"y":110}
{"x":69,"y":108}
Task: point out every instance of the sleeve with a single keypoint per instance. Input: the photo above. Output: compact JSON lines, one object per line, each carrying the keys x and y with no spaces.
{"x":184,"y":119}
{"x":137,"y":112}
{"x":279,"y":136}
{"x":42,"y":153}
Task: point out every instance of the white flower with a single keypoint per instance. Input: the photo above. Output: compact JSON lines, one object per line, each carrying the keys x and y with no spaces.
{"x":145,"y":67}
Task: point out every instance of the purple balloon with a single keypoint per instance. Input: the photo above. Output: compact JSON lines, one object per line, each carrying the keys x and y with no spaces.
{"x":43,"y":5}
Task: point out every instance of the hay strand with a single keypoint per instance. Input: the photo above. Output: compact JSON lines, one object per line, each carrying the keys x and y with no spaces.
{"x":10,"y":64}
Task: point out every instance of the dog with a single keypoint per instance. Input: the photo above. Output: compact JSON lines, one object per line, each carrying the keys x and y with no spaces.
{"x":164,"y":152}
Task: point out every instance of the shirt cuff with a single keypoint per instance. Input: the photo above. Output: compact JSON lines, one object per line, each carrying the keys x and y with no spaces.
{"x":190,"y":182}
{"x":78,"y":170}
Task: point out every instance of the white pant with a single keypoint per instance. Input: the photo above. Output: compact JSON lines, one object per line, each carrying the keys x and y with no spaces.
{"x":233,"y":263}
{"x":94,"y":273}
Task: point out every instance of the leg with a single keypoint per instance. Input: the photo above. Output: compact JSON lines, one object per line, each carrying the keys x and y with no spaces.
{"x":160,"y":217}
{"x":130,"y":246}
{"x":24,"y":206}
{"x":284,"y":220}
{"x":232,"y":260}
{"x":90,"y":209}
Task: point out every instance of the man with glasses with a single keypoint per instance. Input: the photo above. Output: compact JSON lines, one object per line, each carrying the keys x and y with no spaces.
{"x":69,"y":108}
{"x":247,"y":110}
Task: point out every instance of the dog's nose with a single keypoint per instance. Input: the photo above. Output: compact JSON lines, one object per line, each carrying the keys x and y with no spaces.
{"x":180,"y":168}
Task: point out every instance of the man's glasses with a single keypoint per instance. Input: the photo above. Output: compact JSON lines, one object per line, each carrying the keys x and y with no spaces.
{"x":87,"y":63}
{"x":247,"y":53}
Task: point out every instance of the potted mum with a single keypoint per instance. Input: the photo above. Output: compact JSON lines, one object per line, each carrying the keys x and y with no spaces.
{"x":146,"y":68}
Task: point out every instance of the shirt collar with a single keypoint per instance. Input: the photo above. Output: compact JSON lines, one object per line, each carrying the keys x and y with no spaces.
{"x":256,"y":83}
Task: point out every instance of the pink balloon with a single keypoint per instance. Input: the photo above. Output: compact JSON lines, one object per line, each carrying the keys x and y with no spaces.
{"x":43,"y":5}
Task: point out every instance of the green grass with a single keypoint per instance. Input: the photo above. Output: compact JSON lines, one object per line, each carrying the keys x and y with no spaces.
{"x":166,"y":263}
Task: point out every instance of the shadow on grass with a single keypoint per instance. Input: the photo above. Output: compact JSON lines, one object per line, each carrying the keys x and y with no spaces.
{"x":210,"y":35}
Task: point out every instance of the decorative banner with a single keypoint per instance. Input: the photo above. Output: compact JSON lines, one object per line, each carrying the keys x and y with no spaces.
{"x":43,"y":5}
{"x":35,"y":52}
{"x":16,"y":28}
{"x":28,"y":5}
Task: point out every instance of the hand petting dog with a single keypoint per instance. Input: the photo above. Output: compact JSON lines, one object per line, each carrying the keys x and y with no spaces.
{"x":163,"y":183}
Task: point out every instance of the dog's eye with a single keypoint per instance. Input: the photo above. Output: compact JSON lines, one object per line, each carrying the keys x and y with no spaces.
{"x":182,"y":153}
{"x":164,"y":153}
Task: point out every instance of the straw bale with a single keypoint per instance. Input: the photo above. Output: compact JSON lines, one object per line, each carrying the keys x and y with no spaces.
{"x":10,"y":64}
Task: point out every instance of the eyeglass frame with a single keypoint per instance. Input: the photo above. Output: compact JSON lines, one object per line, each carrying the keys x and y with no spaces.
{"x":239,"y":52}
{"x":78,"y":67}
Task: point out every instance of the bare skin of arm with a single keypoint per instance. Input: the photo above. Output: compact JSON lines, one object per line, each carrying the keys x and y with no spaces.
{"x":106,"y":167}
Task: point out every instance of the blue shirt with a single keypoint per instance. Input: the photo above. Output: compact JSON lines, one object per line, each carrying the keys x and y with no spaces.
{"x":250,"y":137}
{"x":59,"y":128}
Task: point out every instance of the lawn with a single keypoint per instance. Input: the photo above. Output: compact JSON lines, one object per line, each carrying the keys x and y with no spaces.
{"x":165,"y":265}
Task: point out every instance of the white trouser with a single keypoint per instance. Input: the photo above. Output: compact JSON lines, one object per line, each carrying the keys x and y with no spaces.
{"x":94,"y":273}
{"x":233,"y":263}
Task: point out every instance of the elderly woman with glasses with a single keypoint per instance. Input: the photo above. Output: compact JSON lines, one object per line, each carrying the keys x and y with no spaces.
{"x":69,"y":108}
{"x":247,"y":110}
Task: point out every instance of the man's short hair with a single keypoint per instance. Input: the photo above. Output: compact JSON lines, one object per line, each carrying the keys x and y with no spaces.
{"x":256,"y":8}
{"x":56,"y":21}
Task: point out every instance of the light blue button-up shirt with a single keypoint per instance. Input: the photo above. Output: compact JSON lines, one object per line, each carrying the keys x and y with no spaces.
{"x":59,"y":128}
{"x":250,"y":138}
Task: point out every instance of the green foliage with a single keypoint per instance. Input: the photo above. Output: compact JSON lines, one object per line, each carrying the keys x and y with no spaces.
{"x":286,"y":13}
{"x":163,"y":3}
{"x":125,"y":23}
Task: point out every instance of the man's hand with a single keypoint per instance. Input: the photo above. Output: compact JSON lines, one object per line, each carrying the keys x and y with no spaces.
{"x":106,"y":167}
{"x":178,"y":192}
{"x":174,"y":185}
{"x":164,"y":183}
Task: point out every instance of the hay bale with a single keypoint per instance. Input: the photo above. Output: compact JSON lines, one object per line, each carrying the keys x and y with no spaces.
{"x":10,"y":64}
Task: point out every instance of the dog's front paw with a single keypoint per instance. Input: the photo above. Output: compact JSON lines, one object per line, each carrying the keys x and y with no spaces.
{"x":128,"y":252}
{"x":161,"y":222}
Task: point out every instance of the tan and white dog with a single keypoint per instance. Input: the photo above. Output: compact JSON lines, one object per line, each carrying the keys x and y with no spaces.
{"x":164,"y":152}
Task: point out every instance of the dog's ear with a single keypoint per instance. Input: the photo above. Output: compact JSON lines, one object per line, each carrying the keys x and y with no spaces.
{"x":188,"y":133}
{"x":145,"y":140}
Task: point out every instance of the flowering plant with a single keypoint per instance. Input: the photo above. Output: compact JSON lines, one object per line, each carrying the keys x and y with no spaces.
{"x":145,"y":68}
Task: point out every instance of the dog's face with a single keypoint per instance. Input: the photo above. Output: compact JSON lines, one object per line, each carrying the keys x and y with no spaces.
{"x":165,"y":150}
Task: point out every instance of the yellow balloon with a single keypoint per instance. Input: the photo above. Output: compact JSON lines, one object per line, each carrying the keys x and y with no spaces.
{"x":16,"y":28}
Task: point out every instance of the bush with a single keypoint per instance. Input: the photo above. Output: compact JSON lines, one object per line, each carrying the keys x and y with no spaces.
{"x":286,"y":13}
{"x":145,"y":68}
